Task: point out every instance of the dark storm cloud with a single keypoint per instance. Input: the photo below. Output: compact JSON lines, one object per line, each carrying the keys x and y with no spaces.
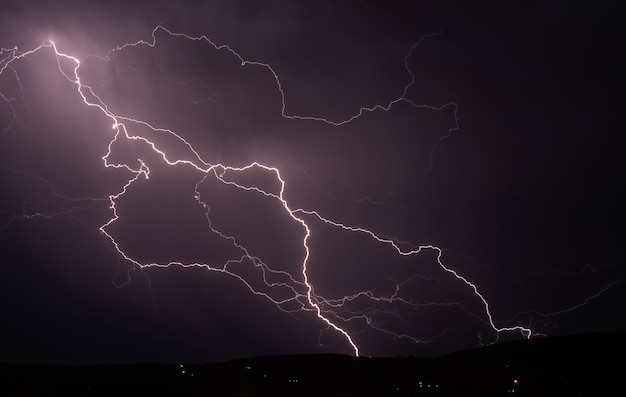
{"x":518,"y":185}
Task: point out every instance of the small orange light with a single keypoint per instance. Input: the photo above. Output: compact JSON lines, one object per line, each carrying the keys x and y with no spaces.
{"x":516,"y":381}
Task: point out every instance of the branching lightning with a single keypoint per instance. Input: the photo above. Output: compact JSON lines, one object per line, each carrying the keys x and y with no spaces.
{"x":302,"y":296}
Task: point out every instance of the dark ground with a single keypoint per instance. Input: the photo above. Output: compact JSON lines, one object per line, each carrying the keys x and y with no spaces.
{"x":580,"y":365}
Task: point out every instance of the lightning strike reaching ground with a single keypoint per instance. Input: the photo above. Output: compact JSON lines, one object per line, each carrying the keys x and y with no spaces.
{"x":298,"y":293}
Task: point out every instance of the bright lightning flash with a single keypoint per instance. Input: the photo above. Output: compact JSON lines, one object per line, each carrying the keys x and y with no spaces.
{"x":302,"y":291}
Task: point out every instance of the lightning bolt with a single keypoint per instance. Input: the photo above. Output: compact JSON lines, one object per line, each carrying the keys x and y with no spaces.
{"x":297,"y":291}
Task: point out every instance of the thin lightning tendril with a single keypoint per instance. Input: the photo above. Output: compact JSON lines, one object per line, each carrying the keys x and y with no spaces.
{"x":332,"y":312}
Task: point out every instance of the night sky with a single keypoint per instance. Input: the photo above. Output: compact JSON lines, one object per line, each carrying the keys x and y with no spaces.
{"x":402,"y":178}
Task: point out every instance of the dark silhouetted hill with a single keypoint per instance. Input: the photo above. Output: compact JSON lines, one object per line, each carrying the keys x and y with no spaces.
{"x":578,"y":365}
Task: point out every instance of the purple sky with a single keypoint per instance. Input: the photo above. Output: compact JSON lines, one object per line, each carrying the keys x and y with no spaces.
{"x":487,"y":135}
